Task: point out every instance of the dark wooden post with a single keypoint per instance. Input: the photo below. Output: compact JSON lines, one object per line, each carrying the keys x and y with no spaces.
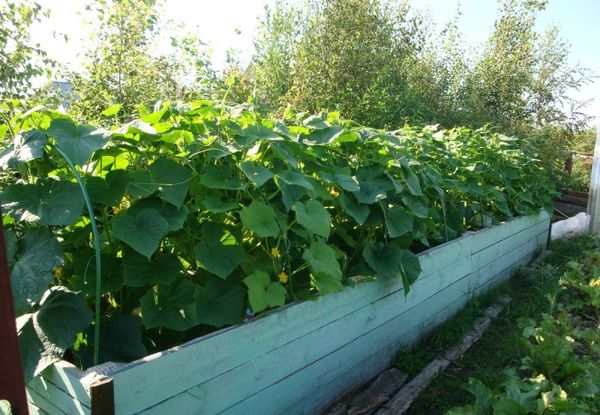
{"x":569,"y":163}
{"x":12,"y":383}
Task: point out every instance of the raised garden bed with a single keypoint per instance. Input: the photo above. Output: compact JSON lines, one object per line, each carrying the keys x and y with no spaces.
{"x":298,"y":358}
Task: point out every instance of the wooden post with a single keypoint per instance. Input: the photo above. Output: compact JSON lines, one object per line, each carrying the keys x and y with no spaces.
{"x":593,"y":201}
{"x":12,"y":382}
{"x":103,"y":397}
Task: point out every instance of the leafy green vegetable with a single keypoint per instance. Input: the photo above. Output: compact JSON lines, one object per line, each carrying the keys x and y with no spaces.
{"x":48,"y":201}
{"x":204,"y":209}
{"x":261,"y":219}
{"x":142,"y":230}
{"x":313,"y":217}
{"x":218,"y":258}
{"x":78,"y":142}
{"x":32,"y":269}
{"x":262,"y":292}
{"x":220,"y":303}
{"x":171,"y":306}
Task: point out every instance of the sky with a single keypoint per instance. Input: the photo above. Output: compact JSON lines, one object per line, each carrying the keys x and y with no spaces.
{"x":225,"y":24}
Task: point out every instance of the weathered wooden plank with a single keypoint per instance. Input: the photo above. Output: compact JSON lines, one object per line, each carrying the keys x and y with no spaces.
{"x":269,"y":368}
{"x":405,"y":397}
{"x":440,"y":256}
{"x":241,"y":344}
{"x":43,"y":405}
{"x":489,"y":236}
{"x":502,"y":262}
{"x":500,"y":248}
{"x":70,"y":379}
{"x":67,"y":403}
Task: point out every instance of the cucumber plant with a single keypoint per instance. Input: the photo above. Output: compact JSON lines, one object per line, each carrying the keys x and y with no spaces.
{"x":207,"y":213}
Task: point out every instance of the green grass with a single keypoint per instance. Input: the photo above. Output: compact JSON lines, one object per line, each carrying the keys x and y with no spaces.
{"x":533,"y":290}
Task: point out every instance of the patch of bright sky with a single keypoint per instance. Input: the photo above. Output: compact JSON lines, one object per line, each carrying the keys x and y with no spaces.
{"x":231,"y":24}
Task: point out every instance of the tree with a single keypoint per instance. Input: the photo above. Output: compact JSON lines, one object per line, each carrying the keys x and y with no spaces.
{"x":346,"y":55}
{"x":124,"y":69}
{"x":353,"y":58}
{"x":523,"y":79}
{"x":120,"y":69}
{"x":21,"y":60}
{"x":275,"y":52}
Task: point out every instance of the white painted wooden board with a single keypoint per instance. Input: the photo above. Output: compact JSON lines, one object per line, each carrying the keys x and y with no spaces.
{"x":312,"y":349}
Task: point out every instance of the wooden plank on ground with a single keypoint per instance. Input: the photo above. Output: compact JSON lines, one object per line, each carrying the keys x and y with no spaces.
{"x":405,"y":397}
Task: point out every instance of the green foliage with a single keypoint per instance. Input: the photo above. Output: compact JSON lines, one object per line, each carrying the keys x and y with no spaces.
{"x":21,"y":60}
{"x":559,"y":372}
{"x":204,"y":209}
{"x":32,"y":262}
{"x":381,"y":63}
{"x":123,"y":73}
{"x":50,"y":329}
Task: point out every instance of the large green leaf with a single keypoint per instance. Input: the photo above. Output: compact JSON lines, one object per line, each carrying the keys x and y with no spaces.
{"x":174,"y":216}
{"x":260,"y":132}
{"x":220,"y":177}
{"x":120,"y":341}
{"x":216,"y":201}
{"x":171,"y":306}
{"x":45,"y":335}
{"x":109,"y":190}
{"x":25,"y":147}
{"x":391,"y":262}
{"x":49,"y":202}
{"x":218,"y":258}
{"x":257,"y":174}
{"x":412,"y":181}
{"x":264,"y":293}
{"x":139,"y":271}
{"x":296,"y":178}
{"x":359,"y":212}
{"x":290,"y":194}
{"x":398,"y":222}
{"x":321,"y":136}
{"x":172,"y":179}
{"x":219,"y":303}
{"x":313,"y":216}
{"x":38,"y":253}
{"x":261,"y":219}
{"x":416,"y":205}
{"x":84,"y":272}
{"x":383,"y":259}
{"x":410,"y":268}
{"x":31,"y":347}
{"x":327,"y":284}
{"x":78,"y":142}
{"x":373,"y":190}
{"x":322,"y":261}
{"x":141,"y":230}
{"x":62,"y":315}
{"x":345,"y":181}
{"x":141,"y":183}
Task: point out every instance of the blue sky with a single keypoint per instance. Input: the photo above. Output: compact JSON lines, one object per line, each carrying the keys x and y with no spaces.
{"x":216,"y":22}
